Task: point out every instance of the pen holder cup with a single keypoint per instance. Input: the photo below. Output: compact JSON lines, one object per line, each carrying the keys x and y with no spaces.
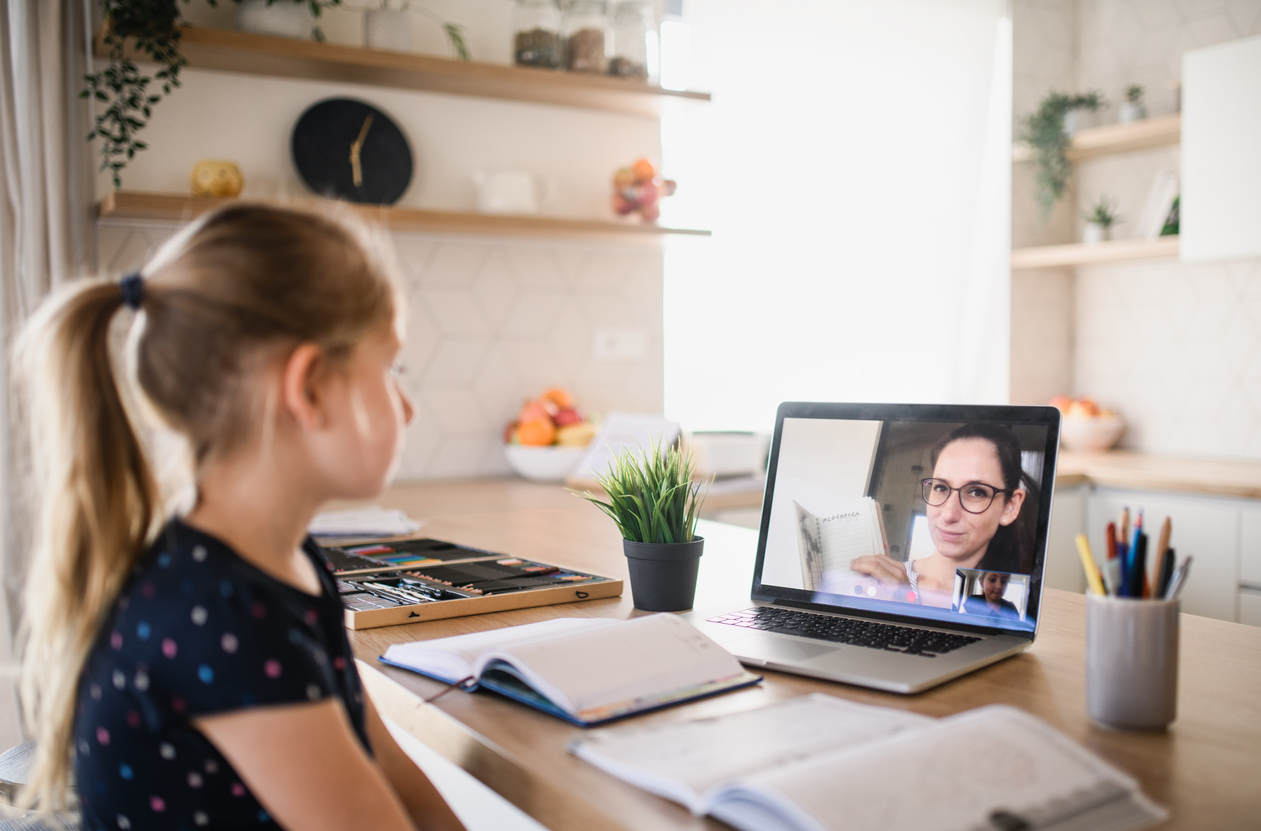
{"x":1131,"y":662}
{"x":663,"y":575}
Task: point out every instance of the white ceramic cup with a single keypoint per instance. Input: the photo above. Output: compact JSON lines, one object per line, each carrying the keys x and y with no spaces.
{"x":513,"y":191}
{"x":389,"y":29}
{"x":1131,"y":662}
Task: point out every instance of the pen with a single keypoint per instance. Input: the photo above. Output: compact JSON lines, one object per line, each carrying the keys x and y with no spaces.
{"x":1088,"y":565}
{"x":1179,"y":579}
{"x":1166,"y":573}
{"x":1138,"y":567}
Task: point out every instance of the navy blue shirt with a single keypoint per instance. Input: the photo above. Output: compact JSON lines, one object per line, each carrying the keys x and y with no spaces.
{"x":196,"y":631}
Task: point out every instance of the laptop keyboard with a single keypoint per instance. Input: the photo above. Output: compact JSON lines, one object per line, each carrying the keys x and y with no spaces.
{"x":866,"y":633}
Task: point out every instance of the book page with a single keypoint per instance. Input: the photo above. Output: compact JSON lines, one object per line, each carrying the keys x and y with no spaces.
{"x":809,"y":547}
{"x":950,"y":775}
{"x":451,"y":659}
{"x":637,"y":662}
{"x":854,"y":529}
{"x":684,"y":761}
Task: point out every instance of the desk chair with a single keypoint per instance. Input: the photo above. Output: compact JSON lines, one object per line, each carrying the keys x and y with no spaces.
{"x":15,"y":766}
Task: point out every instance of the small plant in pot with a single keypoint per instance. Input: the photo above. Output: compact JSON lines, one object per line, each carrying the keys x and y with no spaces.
{"x":1099,"y":222}
{"x":655,"y":504}
{"x":1132,"y":108}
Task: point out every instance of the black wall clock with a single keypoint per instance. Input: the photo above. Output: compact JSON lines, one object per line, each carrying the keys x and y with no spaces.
{"x":348,"y":149}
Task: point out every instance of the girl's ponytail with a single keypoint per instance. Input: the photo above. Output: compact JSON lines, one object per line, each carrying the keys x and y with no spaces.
{"x":99,"y":501}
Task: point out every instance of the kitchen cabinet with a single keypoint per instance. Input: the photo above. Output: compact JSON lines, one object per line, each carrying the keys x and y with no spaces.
{"x":1221,"y":169}
{"x":1207,"y":528}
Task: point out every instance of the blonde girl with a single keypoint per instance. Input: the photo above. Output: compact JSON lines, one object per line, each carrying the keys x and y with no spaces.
{"x":193,"y":671}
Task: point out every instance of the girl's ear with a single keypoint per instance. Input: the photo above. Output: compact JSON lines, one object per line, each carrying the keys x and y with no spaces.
{"x":300,"y":387}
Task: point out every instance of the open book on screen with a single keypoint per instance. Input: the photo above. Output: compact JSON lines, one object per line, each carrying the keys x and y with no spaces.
{"x":828,"y":544}
{"x":820,"y":763}
{"x":584,"y":670}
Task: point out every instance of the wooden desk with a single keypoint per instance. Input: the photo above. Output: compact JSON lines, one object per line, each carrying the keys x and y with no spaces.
{"x":1205,"y":768}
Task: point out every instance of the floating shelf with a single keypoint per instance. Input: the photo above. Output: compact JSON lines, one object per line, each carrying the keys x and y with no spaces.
{"x":231,"y":51}
{"x":1054,"y":256}
{"x":1093,"y":142}
{"x":173,"y":207}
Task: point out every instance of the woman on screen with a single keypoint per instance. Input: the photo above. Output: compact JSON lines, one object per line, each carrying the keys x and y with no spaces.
{"x":974,"y":500}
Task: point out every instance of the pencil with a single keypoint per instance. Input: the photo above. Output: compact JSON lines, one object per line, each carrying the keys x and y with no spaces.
{"x":1162,"y":550}
{"x":1111,"y":540}
{"x":1124,"y":539}
{"x":1088,"y":565}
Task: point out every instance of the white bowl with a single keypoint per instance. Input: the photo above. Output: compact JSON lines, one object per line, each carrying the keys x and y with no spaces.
{"x":543,"y":464}
{"x":1090,"y":434}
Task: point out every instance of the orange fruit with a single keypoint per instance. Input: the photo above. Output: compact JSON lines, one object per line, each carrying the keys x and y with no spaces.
{"x":558,"y":396}
{"x":644,"y":170}
{"x":538,"y":432}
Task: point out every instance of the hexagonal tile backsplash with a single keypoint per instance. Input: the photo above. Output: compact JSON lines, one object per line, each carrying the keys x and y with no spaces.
{"x":492,"y":322}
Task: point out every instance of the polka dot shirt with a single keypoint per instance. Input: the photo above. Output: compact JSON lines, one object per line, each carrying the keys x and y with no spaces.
{"x":197,"y":630}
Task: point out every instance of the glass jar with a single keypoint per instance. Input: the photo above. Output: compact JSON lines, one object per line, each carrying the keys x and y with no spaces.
{"x":634,"y":48}
{"x":586,"y":33}
{"x":536,"y":34}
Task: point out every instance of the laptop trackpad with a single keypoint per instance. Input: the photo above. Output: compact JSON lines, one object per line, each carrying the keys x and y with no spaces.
{"x":758,"y":647}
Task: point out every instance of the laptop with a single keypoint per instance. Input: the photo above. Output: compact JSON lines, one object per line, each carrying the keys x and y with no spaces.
{"x":901,"y":545}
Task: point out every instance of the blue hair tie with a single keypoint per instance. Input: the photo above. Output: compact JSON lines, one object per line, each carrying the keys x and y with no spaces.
{"x":132,"y":289}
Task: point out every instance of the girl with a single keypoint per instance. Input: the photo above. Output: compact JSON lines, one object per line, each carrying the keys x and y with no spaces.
{"x":195,"y":672}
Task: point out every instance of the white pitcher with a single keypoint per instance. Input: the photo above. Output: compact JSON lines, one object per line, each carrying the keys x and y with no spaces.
{"x":513,"y":191}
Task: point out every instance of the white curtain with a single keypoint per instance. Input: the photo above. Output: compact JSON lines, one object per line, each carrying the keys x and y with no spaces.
{"x":45,"y":236}
{"x":855,"y":167}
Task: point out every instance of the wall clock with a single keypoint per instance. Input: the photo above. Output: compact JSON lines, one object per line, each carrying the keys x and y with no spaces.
{"x":348,"y":149}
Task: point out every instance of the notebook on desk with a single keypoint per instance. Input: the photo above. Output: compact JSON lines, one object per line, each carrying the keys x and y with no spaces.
{"x":900,"y":545}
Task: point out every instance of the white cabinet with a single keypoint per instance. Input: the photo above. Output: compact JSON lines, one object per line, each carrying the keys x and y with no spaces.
{"x":1068,"y":518}
{"x":1221,"y":169}
{"x":1205,"y":527}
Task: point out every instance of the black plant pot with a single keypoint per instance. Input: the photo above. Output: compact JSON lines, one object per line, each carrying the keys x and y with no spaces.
{"x":663,"y":575}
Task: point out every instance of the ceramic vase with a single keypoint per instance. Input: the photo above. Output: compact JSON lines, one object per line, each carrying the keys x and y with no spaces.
{"x":283,"y":18}
{"x":389,"y":29}
{"x":1130,"y":111}
{"x":1094,"y":232}
{"x":663,"y":575}
{"x":1078,"y":119}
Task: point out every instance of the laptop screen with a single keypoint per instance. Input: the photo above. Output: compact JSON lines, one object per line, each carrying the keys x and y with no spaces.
{"x":925,"y":512}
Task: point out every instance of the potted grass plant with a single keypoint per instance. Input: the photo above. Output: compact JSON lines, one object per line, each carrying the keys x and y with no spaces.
{"x":1099,"y":222}
{"x":655,"y":504}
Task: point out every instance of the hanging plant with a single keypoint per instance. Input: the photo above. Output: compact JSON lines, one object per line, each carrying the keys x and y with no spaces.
{"x":153,"y":27}
{"x":1043,"y":130}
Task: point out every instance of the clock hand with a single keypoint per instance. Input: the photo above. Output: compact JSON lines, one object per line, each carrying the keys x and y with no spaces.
{"x":355,"y":148}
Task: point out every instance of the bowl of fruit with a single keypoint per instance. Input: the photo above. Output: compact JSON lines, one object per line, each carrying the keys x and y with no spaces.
{"x":1086,"y":427}
{"x":548,"y":438}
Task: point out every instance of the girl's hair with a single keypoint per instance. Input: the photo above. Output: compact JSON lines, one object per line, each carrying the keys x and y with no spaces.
{"x":1011,"y":548}
{"x":240,"y":279}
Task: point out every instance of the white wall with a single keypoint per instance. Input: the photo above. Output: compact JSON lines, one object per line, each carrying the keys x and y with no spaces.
{"x":493,"y":320}
{"x":855,"y":169}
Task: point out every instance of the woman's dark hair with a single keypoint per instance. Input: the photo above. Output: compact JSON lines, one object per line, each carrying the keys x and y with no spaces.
{"x":1011,"y":549}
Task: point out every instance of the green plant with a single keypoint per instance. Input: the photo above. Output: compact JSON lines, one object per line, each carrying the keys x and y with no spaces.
{"x":153,"y":27}
{"x":1044,"y":131}
{"x":1103,"y":213}
{"x":651,"y":495}
{"x":1134,"y":93}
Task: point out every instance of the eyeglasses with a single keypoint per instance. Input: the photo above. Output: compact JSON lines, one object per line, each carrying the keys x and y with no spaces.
{"x":974,"y":497}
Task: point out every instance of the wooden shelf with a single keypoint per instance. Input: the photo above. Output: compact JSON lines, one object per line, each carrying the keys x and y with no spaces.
{"x":1093,"y":142}
{"x":1053,"y":256}
{"x":173,"y":207}
{"x":231,"y":51}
